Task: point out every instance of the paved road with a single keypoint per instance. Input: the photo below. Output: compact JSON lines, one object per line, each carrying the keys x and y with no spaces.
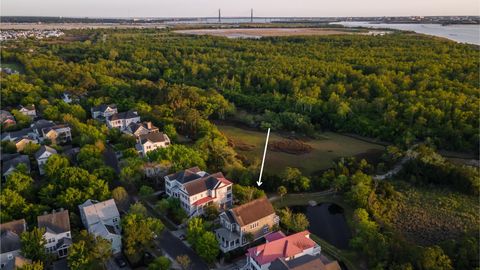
{"x":175,"y":247}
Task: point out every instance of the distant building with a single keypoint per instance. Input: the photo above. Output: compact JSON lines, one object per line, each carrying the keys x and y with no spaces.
{"x":152,"y":141}
{"x":281,"y":247}
{"x":10,"y":165}
{"x":42,"y":156}
{"x":57,"y":234}
{"x":39,"y":125}
{"x":6,"y":118}
{"x":15,"y":135}
{"x":122,"y":120}
{"x":197,"y":189}
{"x":28,"y":110}
{"x":103,"y":219}
{"x":103,"y":111}
{"x":257,"y":218}
{"x":10,"y":242}
{"x":66,"y":98}
{"x":152,"y":169}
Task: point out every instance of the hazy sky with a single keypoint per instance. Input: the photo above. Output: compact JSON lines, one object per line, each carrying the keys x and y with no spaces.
{"x":208,"y":8}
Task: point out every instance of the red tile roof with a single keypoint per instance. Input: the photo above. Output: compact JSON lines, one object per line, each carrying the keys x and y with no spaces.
{"x":203,"y":201}
{"x":281,"y":248}
{"x":274,"y":236}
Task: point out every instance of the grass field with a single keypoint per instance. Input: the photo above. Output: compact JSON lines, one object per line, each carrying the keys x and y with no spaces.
{"x":325,"y":150}
{"x":429,"y":215}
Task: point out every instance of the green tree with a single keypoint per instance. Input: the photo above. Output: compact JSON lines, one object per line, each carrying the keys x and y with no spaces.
{"x":281,"y":191}
{"x":36,"y":265}
{"x":33,"y":245}
{"x":138,"y":232}
{"x":195,"y":229}
{"x":120,"y":196}
{"x":434,"y":258}
{"x":145,"y":191}
{"x":54,"y":165}
{"x":207,"y":247}
{"x":160,"y":263}
{"x":89,"y":252}
{"x":184,"y":261}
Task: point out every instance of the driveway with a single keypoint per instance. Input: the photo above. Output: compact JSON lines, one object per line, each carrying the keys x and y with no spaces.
{"x":175,"y":247}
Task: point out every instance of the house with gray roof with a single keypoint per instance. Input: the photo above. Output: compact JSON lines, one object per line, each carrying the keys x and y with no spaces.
{"x":10,"y":165}
{"x":103,"y":111}
{"x":10,"y":242}
{"x":6,"y":118}
{"x":122,"y":120}
{"x":42,"y":156}
{"x":103,"y":219}
{"x":152,"y":141}
{"x":57,"y":234}
{"x":28,"y":110}
{"x":197,"y":190}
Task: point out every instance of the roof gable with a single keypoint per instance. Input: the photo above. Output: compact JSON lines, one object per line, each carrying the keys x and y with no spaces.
{"x":252,"y":211}
{"x":57,"y":222}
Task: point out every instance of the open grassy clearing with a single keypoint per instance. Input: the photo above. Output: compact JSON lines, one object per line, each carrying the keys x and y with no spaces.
{"x":324,"y":151}
{"x":429,"y":215}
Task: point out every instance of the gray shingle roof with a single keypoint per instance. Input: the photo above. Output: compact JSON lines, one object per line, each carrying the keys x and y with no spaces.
{"x":186,"y":175}
{"x":12,"y":163}
{"x":123,"y":115}
{"x":10,"y":235}
{"x":43,"y":149}
{"x":153,"y":137}
{"x":103,"y":107}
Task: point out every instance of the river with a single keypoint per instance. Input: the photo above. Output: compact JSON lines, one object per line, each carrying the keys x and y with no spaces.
{"x":463,"y":33}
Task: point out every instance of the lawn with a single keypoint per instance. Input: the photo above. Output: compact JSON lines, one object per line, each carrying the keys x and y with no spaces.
{"x":326,"y":150}
{"x":429,"y":215}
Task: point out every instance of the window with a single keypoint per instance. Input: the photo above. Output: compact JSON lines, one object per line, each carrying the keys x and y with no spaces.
{"x":115,"y":219}
{"x":68,"y":234}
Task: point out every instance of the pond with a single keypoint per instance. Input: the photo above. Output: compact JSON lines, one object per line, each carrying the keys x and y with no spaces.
{"x":328,"y":222}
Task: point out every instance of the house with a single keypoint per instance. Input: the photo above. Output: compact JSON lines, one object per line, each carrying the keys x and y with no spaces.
{"x":122,"y":120}
{"x":152,"y":141}
{"x":256,"y":218}
{"x":28,"y":110}
{"x":40,"y":124}
{"x":66,"y":98}
{"x":304,"y":262}
{"x":6,"y":118}
{"x":57,"y":234}
{"x":14,"y":135}
{"x":197,"y":189}
{"x":103,"y":111}
{"x":20,"y":143}
{"x":103,"y":219}
{"x":42,"y":156}
{"x":10,"y":242}
{"x":57,"y":134}
{"x":279,"y":246}
{"x":137,"y":129}
{"x":153,"y":169}
{"x":10,"y":165}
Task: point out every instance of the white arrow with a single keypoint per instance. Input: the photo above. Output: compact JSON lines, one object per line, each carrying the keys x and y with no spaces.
{"x":259,"y":182}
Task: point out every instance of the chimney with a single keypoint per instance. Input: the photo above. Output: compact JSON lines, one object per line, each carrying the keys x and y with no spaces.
{"x":149,"y":125}
{"x":61,"y":209}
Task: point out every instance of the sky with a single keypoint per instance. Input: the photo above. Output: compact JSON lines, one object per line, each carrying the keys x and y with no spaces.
{"x":237,"y":8}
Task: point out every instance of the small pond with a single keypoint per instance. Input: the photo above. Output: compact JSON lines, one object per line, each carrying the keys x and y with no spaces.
{"x":328,"y":222}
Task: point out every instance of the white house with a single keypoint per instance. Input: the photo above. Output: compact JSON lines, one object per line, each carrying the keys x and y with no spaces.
{"x":281,"y":247}
{"x":103,"y":219}
{"x":152,"y":141}
{"x":256,"y":218}
{"x":28,"y":110}
{"x":122,"y":120}
{"x":103,"y":111}
{"x":57,"y":134}
{"x":42,"y":156}
{"x":197,"y":189}
{"x":10,"y":242}
{"x":57,"y":234}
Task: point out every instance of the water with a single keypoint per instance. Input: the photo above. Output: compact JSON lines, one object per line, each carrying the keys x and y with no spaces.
{"x":328,"y":222}
{"x":463,"y":33}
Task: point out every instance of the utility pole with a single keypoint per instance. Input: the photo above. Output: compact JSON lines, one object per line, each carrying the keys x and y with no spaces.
{"x":219,"y":16}
{"x":251,"y":15}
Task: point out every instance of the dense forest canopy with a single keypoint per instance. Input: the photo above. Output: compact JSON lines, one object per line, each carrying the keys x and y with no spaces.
{"x":398,"y":87}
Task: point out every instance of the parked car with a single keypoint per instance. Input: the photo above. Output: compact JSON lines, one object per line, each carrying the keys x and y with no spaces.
{"x":120,"y":261}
